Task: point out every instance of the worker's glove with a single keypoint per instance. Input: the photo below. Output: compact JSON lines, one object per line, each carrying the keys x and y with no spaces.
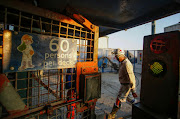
{"x":134,"y":95}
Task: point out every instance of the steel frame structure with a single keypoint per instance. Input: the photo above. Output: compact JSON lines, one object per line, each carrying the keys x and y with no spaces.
{"x":43,"y":91}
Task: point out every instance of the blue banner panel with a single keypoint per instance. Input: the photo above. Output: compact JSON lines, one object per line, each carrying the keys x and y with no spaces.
{"x":26,"y":52}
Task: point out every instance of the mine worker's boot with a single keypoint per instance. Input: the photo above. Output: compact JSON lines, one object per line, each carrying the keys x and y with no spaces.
{"x":112,"y":115}
{"x":131,"y":101}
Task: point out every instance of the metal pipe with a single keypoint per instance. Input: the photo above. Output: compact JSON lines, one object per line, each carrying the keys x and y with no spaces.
{"x":43,"y":111}
{"x":127,"y":54}
{"x":134,"y":60}
{"x":153,"y":27}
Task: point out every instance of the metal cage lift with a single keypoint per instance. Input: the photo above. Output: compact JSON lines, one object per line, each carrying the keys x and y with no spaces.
{"x":45,"y":91}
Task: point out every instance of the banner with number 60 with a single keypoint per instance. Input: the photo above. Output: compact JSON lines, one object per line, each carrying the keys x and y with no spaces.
{"x":26,"y":52}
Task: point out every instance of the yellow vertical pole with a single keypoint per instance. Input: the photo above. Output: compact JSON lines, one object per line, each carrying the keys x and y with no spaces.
{"x":96,"y":37}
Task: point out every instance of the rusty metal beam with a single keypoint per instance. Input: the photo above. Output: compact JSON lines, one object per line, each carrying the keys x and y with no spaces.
{"x":45,"y":86}
{"x":16,"y":4}
{"x":39,"y":110}
{"x":96,"y":37}
{"x":73,"y":13}
{"x":29,"y":112}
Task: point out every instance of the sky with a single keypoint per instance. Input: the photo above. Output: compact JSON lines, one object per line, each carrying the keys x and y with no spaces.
{"x":132,"y":39}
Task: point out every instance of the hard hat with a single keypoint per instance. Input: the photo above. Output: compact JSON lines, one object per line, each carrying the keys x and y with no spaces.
{"x":119,"y":52}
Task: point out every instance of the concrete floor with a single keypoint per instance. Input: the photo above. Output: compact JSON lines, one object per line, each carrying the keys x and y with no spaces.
{"x":109,"y":91}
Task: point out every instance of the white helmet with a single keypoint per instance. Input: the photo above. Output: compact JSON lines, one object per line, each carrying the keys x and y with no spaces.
{"x":119,"y":52}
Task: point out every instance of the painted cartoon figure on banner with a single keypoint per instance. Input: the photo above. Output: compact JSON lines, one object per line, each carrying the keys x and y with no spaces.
{"x":27,"y":52}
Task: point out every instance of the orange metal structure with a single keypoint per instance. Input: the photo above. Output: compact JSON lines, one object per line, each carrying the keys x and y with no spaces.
{"x":44,"y":92}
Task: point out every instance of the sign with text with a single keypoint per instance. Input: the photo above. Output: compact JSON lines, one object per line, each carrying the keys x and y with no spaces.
{"x":26,"y":51}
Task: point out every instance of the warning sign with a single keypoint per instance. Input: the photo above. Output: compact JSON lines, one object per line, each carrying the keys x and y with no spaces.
{"x":26,"y":51}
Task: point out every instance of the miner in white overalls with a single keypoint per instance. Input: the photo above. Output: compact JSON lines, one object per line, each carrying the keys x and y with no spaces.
{"x":127,"y":81}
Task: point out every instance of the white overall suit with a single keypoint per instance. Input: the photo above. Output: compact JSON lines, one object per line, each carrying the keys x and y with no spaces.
{"x":127,"y":80}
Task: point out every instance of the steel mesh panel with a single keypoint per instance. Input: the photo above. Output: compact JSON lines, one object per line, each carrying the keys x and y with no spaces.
{"x":44,"y":87}
{"x":38,"y":88}
{"x":24,"y":22}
